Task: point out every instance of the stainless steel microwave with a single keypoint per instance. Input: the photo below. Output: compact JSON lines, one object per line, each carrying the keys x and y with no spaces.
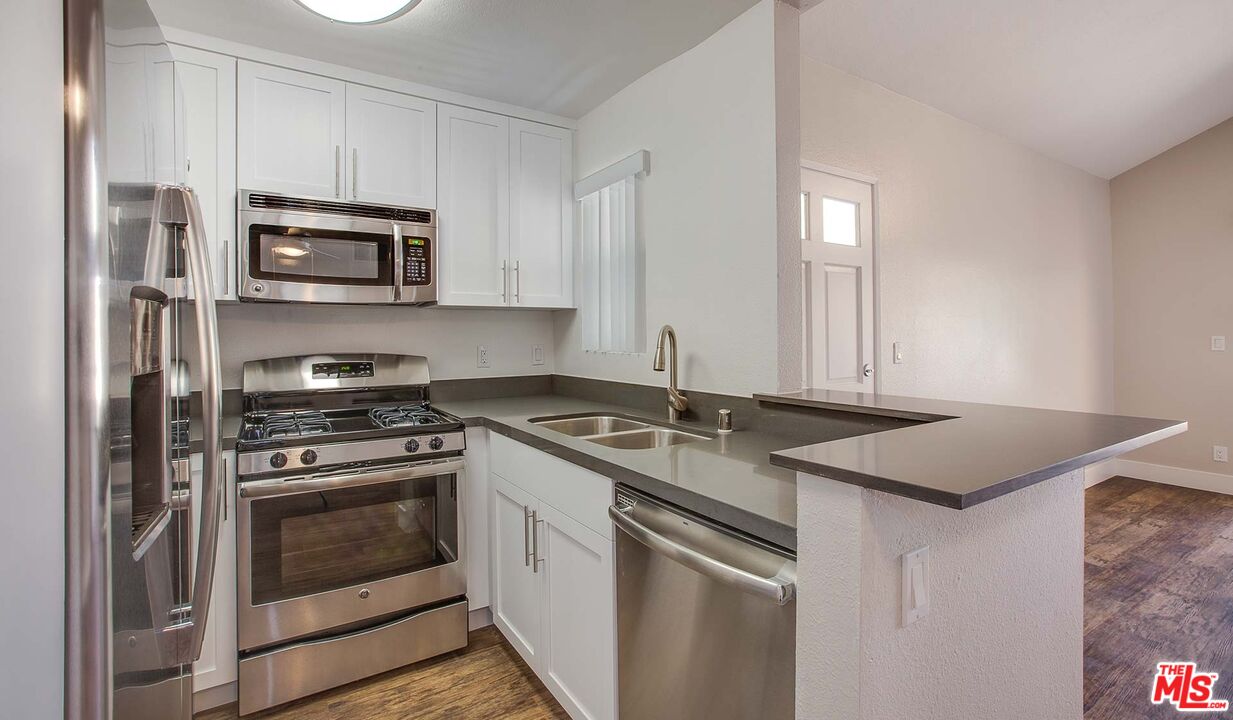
{"x":309,"y":250}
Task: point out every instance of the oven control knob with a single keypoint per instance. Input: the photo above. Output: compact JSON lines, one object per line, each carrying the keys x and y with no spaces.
{"x":308,"y":457}
{"x":436,"y":443}
{"x":412,"y":445}
{"x":278,"y":460}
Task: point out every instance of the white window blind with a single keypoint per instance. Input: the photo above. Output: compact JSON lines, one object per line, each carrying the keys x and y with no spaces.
{"x":612,"y":304}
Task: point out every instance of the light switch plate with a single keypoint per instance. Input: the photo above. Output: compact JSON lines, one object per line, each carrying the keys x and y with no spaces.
{"x":1218,"y":344}
{"x":537,"y":354}
{"x":915,"y":587}
{"x":898,"y":353}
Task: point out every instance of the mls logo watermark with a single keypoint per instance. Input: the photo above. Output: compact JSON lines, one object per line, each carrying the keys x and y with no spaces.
{"x":1189,"y":690}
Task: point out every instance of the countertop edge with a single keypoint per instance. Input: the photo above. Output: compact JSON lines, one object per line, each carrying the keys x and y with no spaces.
{"x":961,"y":501}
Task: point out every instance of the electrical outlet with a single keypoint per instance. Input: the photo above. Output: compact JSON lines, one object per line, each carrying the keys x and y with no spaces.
{"x":537,"y":354}
{"x":1220,"y":453}
{"x":481,"y":359}
{"x":915,"y":585}
{"x":1218,"y":344}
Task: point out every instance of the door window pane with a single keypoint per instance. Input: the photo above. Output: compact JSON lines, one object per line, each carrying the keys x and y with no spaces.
{"x":804,"y":216}
{"x":839,"y":222}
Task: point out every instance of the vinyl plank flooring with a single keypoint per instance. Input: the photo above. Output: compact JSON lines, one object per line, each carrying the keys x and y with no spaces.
{"x":485,"y":680}
{"x":1158,"y":579}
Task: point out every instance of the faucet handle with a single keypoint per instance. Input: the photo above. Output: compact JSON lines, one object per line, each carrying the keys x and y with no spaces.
{"x":725,"y":421}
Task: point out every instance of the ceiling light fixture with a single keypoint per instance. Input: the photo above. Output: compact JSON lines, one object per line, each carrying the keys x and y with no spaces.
{"x":360,"y":12}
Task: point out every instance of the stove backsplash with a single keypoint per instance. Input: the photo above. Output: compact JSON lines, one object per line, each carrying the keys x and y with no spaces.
{"x":449,"y":337}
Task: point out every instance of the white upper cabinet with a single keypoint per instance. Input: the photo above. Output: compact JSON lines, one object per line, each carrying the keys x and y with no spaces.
{"x":505,"y":219}
{"x":473,"y":211}
{"x":391,"y":148}
{"x":541,"y":215}
{"x":206,"y":153}
{"x":291,"y":131}
{"x":140,"y":139}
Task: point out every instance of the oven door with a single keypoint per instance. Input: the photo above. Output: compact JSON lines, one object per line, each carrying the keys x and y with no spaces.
{"x":293,"y":257}
{"x":334,"y":551}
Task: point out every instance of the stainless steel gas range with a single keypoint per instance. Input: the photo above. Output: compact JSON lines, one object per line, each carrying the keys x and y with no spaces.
{"x":350,"y":540}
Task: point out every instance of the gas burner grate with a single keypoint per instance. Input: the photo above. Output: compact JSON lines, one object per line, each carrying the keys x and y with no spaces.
{"x":295,"y":424}
{"x":405,"y":416}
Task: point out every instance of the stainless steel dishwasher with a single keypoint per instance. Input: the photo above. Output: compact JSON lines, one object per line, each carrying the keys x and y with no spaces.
{"x":706,"y":624}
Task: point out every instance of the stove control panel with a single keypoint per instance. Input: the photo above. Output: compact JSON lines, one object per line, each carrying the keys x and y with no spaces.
{"x":264,"y":462}
{"x":342,"y":370}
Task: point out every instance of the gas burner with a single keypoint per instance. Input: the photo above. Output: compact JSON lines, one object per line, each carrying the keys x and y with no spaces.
{"x":295,"y":424}
{"x":405,"y":416}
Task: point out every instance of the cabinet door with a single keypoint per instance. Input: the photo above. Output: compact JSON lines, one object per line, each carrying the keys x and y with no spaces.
{"x":541,"y":215}
{"x":205,"y":148}
{"x":515,"y":578}
{"x":291,"y":131}
{"x":129,"y":133}
{"x":219,"y":661}
{"x":473,"y":207}
{"x":391,"y":148}
{"x":577,"y":657}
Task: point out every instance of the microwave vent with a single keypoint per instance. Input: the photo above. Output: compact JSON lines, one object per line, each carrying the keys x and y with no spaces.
{"x":265,"y":201}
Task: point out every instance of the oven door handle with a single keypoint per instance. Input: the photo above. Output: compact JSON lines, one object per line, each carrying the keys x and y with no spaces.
{"x":275,"y":488}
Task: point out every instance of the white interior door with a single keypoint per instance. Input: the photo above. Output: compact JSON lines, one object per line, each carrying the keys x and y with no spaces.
{"x":837,"y":281}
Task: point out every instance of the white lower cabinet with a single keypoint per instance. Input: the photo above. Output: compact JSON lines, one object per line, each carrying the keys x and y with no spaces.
{"x":219,"y":661}
{"x":553,"y":592}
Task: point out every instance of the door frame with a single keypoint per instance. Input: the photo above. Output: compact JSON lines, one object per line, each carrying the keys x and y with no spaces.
{"x":876,"y":231}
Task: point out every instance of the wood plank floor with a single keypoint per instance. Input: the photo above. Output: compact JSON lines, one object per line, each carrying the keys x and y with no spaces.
{"x":1159,"y":586}
{"x":485,"y":680}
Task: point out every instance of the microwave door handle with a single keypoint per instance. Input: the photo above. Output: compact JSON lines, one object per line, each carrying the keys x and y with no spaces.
{"x":398,"y":262}
{"x":185,"y":200}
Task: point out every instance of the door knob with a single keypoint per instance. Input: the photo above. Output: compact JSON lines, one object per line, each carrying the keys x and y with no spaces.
{"x":868,"y":370}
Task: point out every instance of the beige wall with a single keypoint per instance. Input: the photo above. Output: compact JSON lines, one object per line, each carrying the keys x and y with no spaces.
{"x":995,"y":262}
{"x":1173,"y":251}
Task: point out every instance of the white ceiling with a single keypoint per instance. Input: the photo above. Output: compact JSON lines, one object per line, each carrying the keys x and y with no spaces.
{"x":557,"y":56}
{"x":1100,"y":84}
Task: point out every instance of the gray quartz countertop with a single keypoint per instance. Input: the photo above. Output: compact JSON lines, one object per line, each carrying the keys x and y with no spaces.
{"x":728,"y":479}
{"x":962,"y":454}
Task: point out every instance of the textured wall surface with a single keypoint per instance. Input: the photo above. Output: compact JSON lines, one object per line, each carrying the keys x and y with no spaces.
{"x":1172,"y":250}
{"x":1004,"y":636}
{"x":995,"y":262}
{"x":708,"y":215}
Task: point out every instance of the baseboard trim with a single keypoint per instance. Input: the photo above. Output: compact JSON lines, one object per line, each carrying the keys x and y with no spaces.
{"x":1099,"y":472}
{"x":479,"y":618}
{"x":1182,"y":477}
{"x":216,"y":696}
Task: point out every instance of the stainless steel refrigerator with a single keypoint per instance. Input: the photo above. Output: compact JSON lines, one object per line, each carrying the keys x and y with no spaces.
{"x":138,"y":591}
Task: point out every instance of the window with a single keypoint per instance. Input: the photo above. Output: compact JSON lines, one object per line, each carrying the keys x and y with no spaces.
{"x":611,"y":302}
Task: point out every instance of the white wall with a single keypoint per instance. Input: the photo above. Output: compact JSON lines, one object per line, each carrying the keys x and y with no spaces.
{"x":1004,"y":635}
{"x":995,"y":262}
{"x":1172,"y":250}
{"x":447,"y":336}
{"x":707,"y":209}
{"x":32,"y":312}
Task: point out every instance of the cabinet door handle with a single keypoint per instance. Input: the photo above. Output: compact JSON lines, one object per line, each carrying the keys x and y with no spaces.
{"x":226,"y":492}
{"x":504,"y":280}
{"x":355,"y":173}
{"x":527,"y":515}
{"x":535,"y":521}
{"x":338,"y":171}
{"x":225,"y":268}
{"x":517,"y":282}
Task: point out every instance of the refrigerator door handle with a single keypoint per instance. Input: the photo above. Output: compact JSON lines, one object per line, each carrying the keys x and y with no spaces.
{"x":182,"y":201}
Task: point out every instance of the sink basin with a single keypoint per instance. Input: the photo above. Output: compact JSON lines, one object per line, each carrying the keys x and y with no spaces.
{"x":645,"y":439}
{"x":617,"y":432}
{"x":590,"y":425}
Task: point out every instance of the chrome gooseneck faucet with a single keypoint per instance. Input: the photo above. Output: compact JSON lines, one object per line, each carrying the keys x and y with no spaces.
{"x":677,"y":402}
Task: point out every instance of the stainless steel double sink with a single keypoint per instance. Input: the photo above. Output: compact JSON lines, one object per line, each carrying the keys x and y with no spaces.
{"x":617,"y":432}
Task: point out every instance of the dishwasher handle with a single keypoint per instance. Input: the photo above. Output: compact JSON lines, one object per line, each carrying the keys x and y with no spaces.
{"x":780,"y":590}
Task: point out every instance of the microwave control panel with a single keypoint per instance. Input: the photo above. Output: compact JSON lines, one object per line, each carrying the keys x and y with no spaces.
{"x":416,"y":261}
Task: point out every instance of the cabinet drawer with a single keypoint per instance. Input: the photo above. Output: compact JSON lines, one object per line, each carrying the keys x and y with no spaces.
{"x":579,"y":493}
